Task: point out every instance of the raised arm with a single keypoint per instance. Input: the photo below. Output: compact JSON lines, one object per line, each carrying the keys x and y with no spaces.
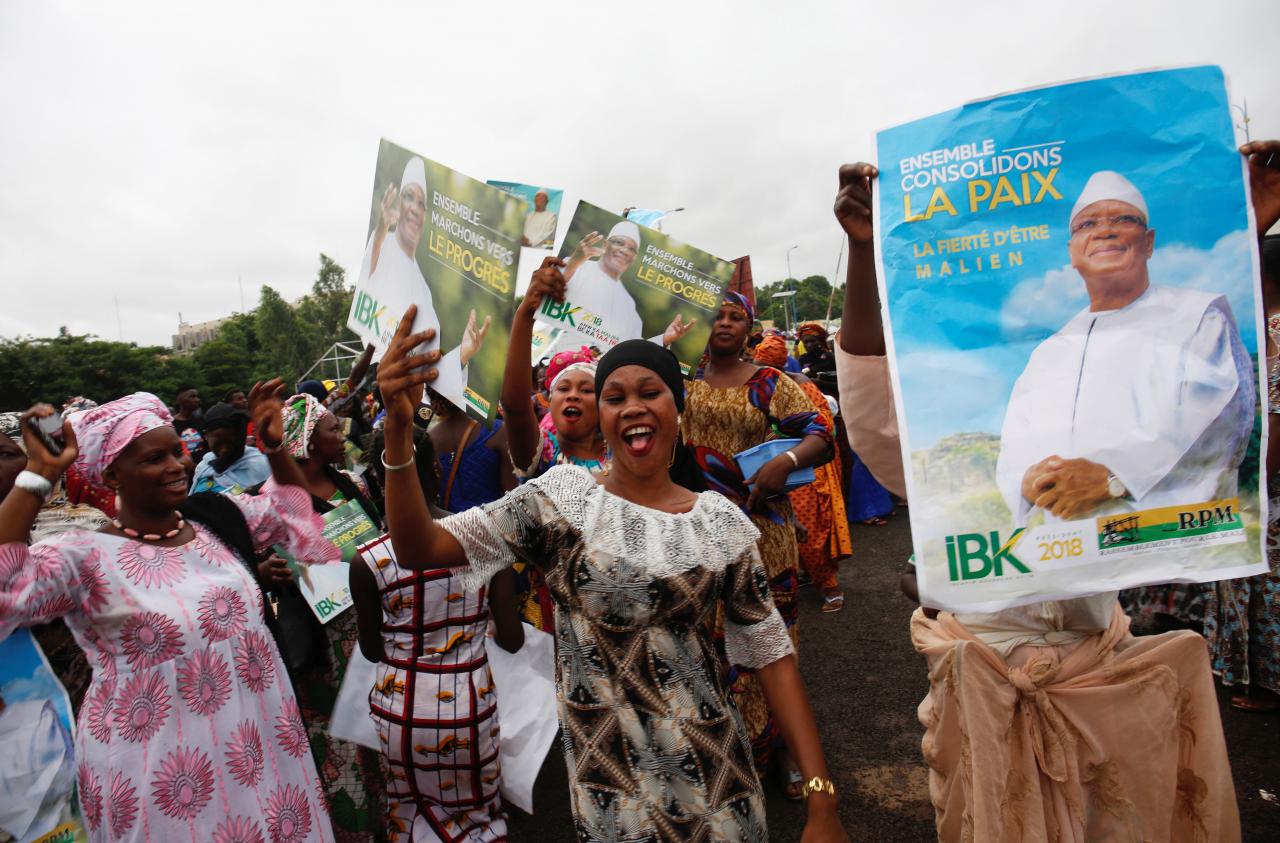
{"x":19,"y":509}
{"x":520,"y":418}
{"x":358,"y":371}
{"x":860,"y":330}
{"x":388,"y":216}
{"x":266,"y":409}
{"x":419,"y":542}
{"x":588,"y":247}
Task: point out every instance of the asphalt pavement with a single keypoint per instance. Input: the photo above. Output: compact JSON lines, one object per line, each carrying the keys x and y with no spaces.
{"x":865,"y":681}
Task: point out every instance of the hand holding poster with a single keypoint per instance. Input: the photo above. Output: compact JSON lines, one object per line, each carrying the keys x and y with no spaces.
{"x":1074,"y":343}
{"x":326,"y":587}
{"x":628,"y":282}
{"x":448,"y":244}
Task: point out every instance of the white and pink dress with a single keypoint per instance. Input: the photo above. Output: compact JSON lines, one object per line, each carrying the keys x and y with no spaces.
{"x":189,"y":730}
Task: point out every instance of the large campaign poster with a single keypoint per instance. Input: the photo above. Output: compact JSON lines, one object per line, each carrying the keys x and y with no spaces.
{"x":1071,"y":281}
{"x":449,"y":244}
{"x":626,"y":281}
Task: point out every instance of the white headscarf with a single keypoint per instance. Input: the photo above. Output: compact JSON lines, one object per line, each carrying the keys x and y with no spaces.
{"x":626,"y":228}
{"x":415,"y":172}
{"x":1107,"y":184}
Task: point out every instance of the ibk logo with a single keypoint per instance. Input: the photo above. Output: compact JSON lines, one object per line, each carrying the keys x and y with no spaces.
{"x":974,"y":556}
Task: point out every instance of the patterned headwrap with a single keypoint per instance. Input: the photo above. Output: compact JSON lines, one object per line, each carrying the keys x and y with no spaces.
{"x":811,"y":329}
{"x":738,"y":300}
{"x":581,"y":360}
{"x":302,"y":413}
{"x":11,"y":426}
{"x":105,"y":431}
{"x":77,"y":404}
{"x":772,"y":351}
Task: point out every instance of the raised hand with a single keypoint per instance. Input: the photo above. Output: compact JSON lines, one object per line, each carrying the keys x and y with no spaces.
{"x":1264,"y":181}
{"x":402,"y":375}
{"x":473,"y":337}
{"x":547,"y":280}
{"x":39,"y":459}
{"x":389,"y":209}
{"x":676,"y":330}
{"x":266,"y":409}
{"x":853,"y":200}
{"x":588,"y":247}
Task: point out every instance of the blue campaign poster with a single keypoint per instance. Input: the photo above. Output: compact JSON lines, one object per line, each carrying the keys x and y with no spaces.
{"x":541,"y":222}
{"x":1071,"y":283}
{"x":37,"y":793}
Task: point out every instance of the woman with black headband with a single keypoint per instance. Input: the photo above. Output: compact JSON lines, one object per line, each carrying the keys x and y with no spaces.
{"x":636,"y":564}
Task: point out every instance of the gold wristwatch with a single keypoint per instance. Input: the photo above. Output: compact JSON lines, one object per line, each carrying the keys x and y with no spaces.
{"x":817,"y":784}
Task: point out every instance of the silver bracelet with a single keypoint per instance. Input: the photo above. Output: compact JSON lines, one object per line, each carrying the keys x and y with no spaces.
{"x":389,"y":467}
{"x":34,"y":484}
{"x":795,"y":461}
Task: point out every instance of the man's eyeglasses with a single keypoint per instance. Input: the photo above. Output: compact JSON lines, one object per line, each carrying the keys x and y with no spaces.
{"x":621,"y":243}
{"x":1085,"y":226}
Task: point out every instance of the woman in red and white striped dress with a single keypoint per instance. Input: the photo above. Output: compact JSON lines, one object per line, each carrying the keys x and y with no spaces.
{"x":433,"y":700}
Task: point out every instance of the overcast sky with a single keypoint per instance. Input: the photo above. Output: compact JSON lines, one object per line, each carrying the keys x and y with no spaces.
{"x":153,"y":154}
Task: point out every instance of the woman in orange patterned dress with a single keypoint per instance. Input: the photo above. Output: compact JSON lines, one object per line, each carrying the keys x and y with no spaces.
{"x":819,"y":507}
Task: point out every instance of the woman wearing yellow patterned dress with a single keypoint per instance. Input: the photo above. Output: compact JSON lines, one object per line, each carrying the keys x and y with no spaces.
{"x":733,"y":406}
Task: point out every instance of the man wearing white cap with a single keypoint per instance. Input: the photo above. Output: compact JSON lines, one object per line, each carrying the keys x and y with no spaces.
{"x":1144,"y":399}
{"x":389,"y":273}
{"x":540,"y":224}
{"x":603,"y":311}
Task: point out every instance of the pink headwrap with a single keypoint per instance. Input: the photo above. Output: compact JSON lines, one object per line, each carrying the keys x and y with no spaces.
{"x":301,"y":414}
{"x":103,"y":432}
{"x":565,"y":360}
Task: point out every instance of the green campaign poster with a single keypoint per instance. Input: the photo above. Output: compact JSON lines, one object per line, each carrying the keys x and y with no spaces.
{"x":449,"y":244}
{"x":626,"y":281}
{"x":325,"y":587}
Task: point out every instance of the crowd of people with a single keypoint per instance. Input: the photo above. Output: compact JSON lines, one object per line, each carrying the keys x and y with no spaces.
{"x":157,"y":554}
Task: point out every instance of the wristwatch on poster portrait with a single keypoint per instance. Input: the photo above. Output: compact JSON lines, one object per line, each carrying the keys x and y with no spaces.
{"x":1115,"y":488}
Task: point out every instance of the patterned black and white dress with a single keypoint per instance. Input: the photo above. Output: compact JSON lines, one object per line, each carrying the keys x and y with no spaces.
{"x":654,"y":748}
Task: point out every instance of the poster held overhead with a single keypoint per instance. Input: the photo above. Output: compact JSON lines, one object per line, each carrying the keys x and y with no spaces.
{"x":449,"y":244}
{"x":626,"y":281}
{"x":543,"y":215}
{"x":1074,"y":346}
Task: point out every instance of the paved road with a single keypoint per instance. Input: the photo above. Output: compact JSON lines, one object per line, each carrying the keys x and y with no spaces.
{"x":866,"y":681}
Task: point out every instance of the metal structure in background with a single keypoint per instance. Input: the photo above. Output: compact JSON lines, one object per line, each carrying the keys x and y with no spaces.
{"x":334,"y":364}
{"x":788,"y":307}
{"x":835,"y":285}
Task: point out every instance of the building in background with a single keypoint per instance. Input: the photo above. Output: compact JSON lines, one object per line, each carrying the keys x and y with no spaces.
{"x":191,"y":335}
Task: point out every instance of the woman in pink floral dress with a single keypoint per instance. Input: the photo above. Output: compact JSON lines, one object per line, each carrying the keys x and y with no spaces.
{"x":190,"y":730}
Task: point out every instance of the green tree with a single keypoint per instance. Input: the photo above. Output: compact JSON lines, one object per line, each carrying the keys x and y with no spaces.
{"x":287,"y":342}
{"x":813,"y":294}
{"x":326,"y":308}
{"x":53,"y":369}
{"x":273,"y":339}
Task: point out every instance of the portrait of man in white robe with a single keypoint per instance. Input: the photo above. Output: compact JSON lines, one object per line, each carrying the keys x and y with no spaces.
{"x":540,"y":224}
{"x":390,"y":274}
{"x":594,"y":284}
{"x":1143,"y":399}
